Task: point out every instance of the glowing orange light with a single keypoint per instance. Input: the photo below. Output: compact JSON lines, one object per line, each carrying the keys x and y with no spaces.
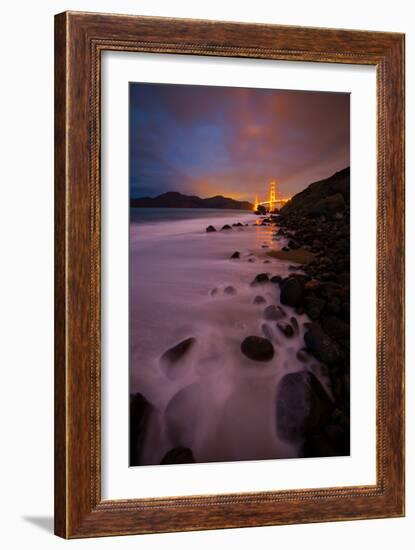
{"x":274,"y":199}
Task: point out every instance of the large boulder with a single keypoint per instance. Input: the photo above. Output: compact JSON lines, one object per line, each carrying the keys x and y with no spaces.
{"x":257,"y":348}
{"x":140,"y":410}
{"x":321,"y":345}
{"x":303,"y":406}
{"x":178,"y":455}
{"x":292,"y":291}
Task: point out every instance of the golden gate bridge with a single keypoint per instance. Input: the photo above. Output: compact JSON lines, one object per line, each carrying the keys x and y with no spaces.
{"x":275,"y":200}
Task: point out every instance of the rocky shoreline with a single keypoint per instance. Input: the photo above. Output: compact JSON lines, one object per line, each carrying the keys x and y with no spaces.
{"x":314,"y":234}
{"x":322,"y":291}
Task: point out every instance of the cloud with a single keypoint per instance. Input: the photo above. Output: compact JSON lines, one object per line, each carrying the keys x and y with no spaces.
{"x":210,"y":140}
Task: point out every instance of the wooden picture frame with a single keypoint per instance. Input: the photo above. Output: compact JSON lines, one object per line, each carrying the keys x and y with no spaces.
{"x":79,"y":40}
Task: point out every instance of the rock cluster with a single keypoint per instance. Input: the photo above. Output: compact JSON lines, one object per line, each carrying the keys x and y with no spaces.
{"x":318,"y":220}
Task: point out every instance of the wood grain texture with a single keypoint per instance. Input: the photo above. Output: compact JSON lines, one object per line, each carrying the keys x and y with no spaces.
{"x":79,"y":40}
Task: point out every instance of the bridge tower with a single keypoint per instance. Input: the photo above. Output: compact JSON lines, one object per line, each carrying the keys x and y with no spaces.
{"x":272,"y":196}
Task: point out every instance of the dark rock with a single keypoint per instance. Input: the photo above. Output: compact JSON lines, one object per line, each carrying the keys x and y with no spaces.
{"x":313,"y":284}
{"x":303,"y":356}
{"x":319,"y":445}
{"x":329,"y":205}
{"x":210,"y":229}
{"x":257,"y":348}
{"x":328,"y":276}
{"x":226,"y":228}
{"x":214,"y":291}
{"x":328,"y":290}
{"x":294,"y":324}
{"x":333,"y":440}
{"x":336,"y":328}
{"x":140,"y":410}
{"x":321,"y":345}
{"x":276,"y":279}
{"x":314,"y":307}
{"x":303,"y":406}
{"x":178,"y":455}
{"x":260,"y":279}
{"x":343,"y":278}
{"x":300,"y":277}
{"x":229,"y":290}
{"x":235,"y":256}
{"x":292,"y":291}
{"x":345,"y":309}
{"x":177,"y":352}
{"x":287,"y":330}
{"x":340,"y":385}
{"x":259,"y":300}
{"x":332,"y":308}
{"x":251,"y":260}
{"x":274,"y":313}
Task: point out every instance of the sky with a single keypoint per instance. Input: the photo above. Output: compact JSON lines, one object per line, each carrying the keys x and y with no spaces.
{"x":207,"y":141}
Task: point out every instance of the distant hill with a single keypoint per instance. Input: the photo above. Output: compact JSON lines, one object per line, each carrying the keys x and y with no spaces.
{"x":174,"y":199}
{"x":321,"y":197}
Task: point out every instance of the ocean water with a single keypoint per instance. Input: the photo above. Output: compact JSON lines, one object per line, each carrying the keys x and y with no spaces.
{"x":155,"y":215}
{"x":215,"y":401}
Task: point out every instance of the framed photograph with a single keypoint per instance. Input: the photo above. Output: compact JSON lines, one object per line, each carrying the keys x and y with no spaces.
{"x":229,"y":275}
